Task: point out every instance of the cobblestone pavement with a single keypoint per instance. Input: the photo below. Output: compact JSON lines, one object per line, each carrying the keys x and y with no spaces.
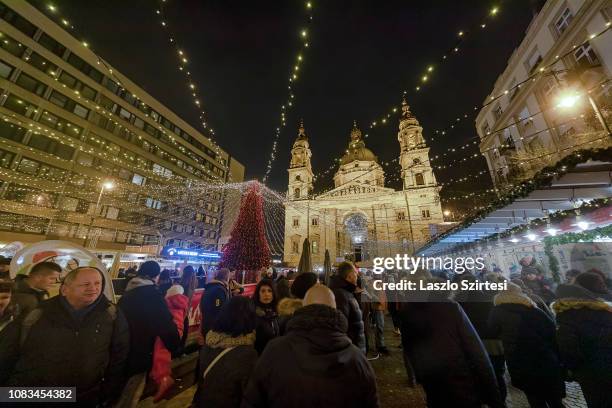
{"x":393,"y":389}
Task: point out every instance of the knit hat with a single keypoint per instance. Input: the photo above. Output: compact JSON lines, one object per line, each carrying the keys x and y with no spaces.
{"x":175,"y":290}
{"x":149,"y":269}
{"x":302,"y":283}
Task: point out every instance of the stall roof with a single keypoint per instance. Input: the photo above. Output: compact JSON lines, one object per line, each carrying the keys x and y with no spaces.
{"x":586,"y":181}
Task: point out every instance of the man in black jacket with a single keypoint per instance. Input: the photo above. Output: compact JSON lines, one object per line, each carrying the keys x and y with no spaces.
{"x":77,"y":339}
{"x":148,"y":317}
{"x":32,"y":289}
{"x":344,"y":284}
{"x":216,"y":294}
{"x":314,"y":364}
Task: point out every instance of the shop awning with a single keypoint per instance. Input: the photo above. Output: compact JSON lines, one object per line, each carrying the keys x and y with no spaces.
{"x":582,"y":183}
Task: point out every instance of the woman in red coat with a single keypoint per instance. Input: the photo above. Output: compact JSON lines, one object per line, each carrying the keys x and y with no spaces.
{"x":161,"y":372}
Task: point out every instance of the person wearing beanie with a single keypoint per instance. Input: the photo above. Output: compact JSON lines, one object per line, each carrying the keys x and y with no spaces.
{"x":288,"y":305}
{"x":161,"y":372}
{"x":314,"y":364}
{"x":149,"y":318}
{"x":530,"y":347}
{"x":584,"y":335}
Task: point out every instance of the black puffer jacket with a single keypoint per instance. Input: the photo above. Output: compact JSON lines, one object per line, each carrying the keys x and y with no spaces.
{"x":313,"y":365}
{"x":25,"y":298}
{"x":267,"y":327}
{"x":347,"y":303}
{"x":584,"y":335}
{"x":530,"y":348}
{"x":226,"y":381}
{"x":60,"y":351}
{"x":216,"y":294}
{"x":149,"y":318}
{"x":447,"y":356}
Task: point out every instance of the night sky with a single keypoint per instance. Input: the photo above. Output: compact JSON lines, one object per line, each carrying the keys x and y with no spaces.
{"x":363,"y":55}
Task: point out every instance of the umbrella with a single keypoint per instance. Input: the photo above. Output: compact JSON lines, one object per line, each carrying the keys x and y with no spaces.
{"x":327,"y":267}
{"x":305,"y":264}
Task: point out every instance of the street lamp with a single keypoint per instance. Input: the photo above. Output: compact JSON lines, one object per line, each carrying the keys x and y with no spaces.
{"x":107,"y":185}
{"x":448,"y":213}
{"x":568,"y":100}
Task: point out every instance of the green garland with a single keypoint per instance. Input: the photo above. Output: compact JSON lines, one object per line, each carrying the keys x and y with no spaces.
{"x":570,"y":238}
{"x":553,"y":262}
{"x":543,"y":178}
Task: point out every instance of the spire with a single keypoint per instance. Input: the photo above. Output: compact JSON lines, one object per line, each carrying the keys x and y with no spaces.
{"x":302,"y":131}
{"x":355,"y":132}
{"x":406,"y":114}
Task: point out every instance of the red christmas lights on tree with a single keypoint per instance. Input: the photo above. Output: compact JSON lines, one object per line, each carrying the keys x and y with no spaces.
{"x":247,"y":249}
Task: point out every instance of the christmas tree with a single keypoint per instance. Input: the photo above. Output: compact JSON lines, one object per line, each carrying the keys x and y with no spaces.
{"x":247,"y":249}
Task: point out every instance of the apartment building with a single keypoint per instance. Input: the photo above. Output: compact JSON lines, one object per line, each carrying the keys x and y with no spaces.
{"x":554,"y":95}
{"x":87,"y":155}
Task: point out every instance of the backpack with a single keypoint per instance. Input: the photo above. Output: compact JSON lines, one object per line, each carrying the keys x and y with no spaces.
{"x":33,"y":317}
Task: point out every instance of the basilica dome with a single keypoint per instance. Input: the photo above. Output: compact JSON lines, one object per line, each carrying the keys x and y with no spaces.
{"x":357,"y":150}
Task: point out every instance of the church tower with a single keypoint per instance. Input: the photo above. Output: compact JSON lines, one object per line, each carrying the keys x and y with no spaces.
{"x":300,"y":170}
{"x":414,"y":153}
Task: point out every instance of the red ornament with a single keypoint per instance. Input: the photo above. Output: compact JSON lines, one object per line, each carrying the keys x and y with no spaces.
{"x":247,"y":249}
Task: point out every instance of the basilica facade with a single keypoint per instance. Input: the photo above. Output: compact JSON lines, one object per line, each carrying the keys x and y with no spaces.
{"x":361,"y":218}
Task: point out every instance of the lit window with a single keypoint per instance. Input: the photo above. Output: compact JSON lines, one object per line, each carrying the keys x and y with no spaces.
{"x":564,"y":20}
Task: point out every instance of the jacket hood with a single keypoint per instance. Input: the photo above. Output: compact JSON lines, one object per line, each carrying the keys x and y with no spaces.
{"x":223,"y":340}
{"x":336,"y":282}
{"x":575,"y":297}
{"x":177,"y":302}
{"x":137,"y":282}
{"x":513,"y":297}
{"x":318,"y":341}
{"x":288,"y":306}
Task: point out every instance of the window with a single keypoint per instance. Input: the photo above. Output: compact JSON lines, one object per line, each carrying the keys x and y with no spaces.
{"x":425,"y":214}
{"x":124,"y":114}
{"x":28,"y":166}
{"x":401,"y":216}
{"x":50,"y":146}
{"x":68,"y":80}
{"x":112,"y":213}
{"x":58,"y":99}
{"x":139,"y":180}
{"x":162,"y":171}
{"x":295,"y":247}
{"x":11,"y":132}
{"x":563,"y":21}
{"x":533,"y":62}
{"x":296,"y":193}
{"x":6,"y":158}
{"x":416,"y":161}
{"x":315,"y":221}
{"x":85,"y":68}
{"x":19,"y":106}
{"x":85,"y":159}
{"x":296,"y":222}
{"x":315,"y":247}
{"x":52,"y":45}
{"x":498,"y":112}
{"x":17,"y":21}
{"x":27,"y":82}
{"x":12,"y":46}
{"x":585,"y":56}
{"x":81,"y":111}
{"x":298,"y":178}
{"x":151,"y":203}
{"x":420,"y":180}
{"x":42,"y":64}
{"x":5,"y":70}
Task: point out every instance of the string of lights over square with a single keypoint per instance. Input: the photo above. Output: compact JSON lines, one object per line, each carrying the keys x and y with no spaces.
{"x":53,"y":12}
{"x":304,"y":35}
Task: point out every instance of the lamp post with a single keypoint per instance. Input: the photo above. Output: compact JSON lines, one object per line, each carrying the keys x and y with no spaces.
{"x":107,"y":185}
{"x":448,"y":213}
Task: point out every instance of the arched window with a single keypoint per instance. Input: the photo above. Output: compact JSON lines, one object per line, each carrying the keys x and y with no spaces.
{"x":420,"y":180}
{"x":416,"y":161}
{"x":298,"y":178}
{"x":296,"y":193}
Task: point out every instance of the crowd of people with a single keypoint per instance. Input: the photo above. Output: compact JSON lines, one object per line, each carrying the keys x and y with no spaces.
{"x":299,"y":342}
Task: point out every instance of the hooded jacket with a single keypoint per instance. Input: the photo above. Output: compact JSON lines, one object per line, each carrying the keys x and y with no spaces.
{"x":226,"y":381}
{"x":216,"y":294}
{"x":60,"y":350}
{"x":347,"y":303}
{"x":148,"y":317}
{"x":584,"y":335}
{"x":313,"y":365}
{"x":286,"y":308}
{"x":530,"y":347}
{"x":447,"y":356}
